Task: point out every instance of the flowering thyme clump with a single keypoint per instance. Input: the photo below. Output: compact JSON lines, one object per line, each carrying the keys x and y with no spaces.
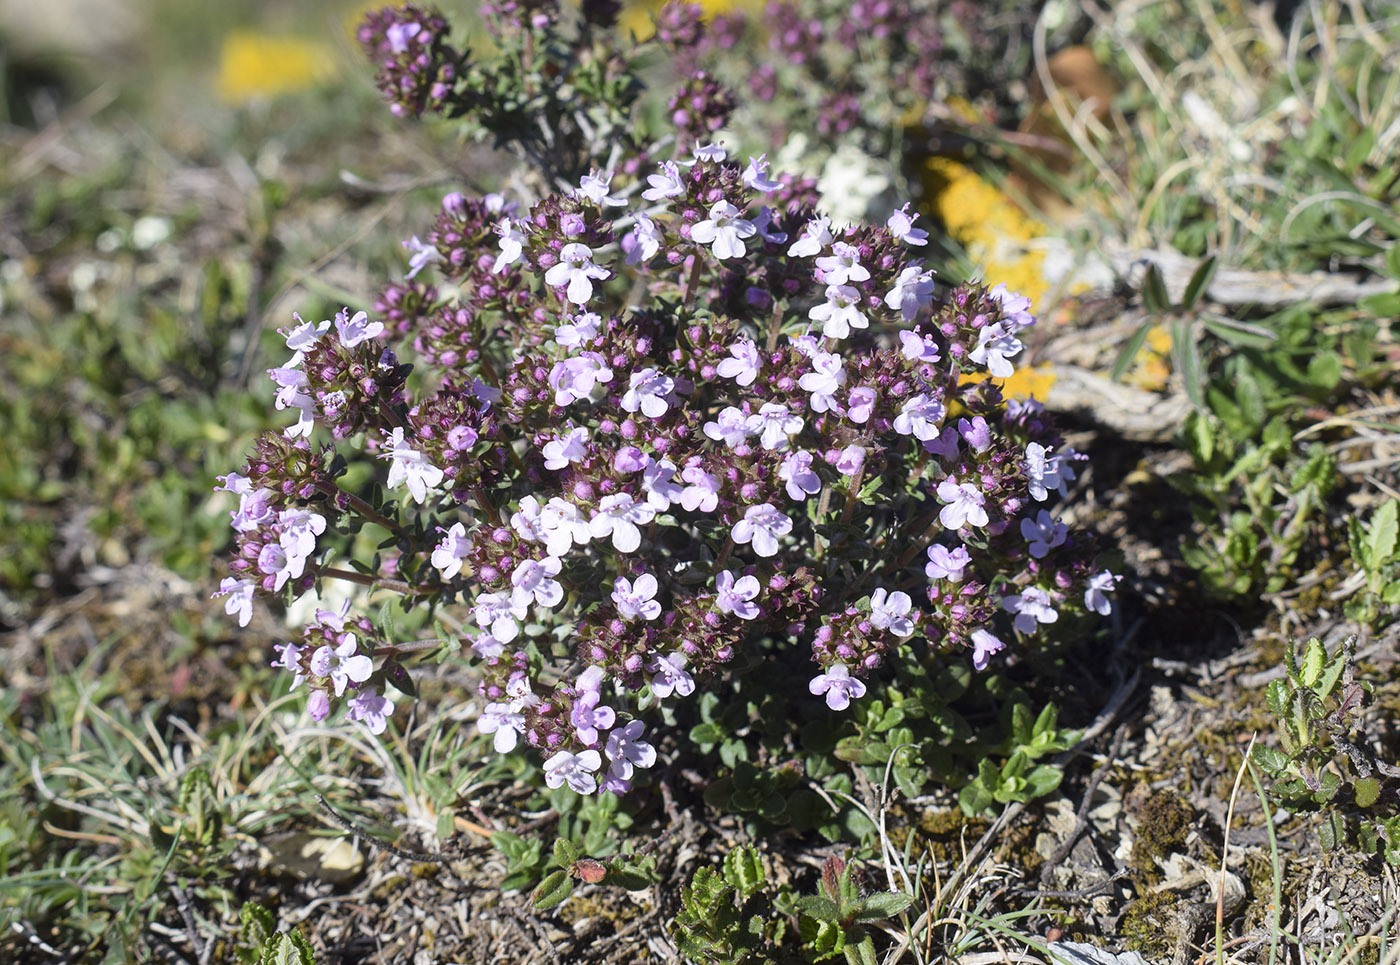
{"x":668,"y":417}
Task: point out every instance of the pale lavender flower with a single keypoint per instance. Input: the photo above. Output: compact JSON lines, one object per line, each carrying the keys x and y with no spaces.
{"x":824,"y":381}
{"x":1043,"y":533}
{"x":669,"y":676}
{"x":574,"y":770}
{"x":815,"y":236}
{"x":240,"y":598}
{"x":589,"y":715}
{"x":302,"y":337}
{"x":486,"y":646}
{"x":500,"y":614}
{"x":575,"y":378}
{"x":342,"y":664}
{"x":838,"y":685}
{"x":421,"y":255}
{"x":901,"y":225}
{"x":300,"y":527}
{"x":626,"y":749}
{"x":994,"y":346}
{"x":276,"y":562}
{"x":659,"y":483}
{"x":667,"y":184}
{"x":736,"y":596}
{"x":703,"y":492}
{"x":636,"y":598}
{"x":763,"y":226}
{"x":946,"y":564}
{"x":292,"y":394}
{"x":576,"y":270}
{"x":861,"y":405}
{"x":984,"y":646}
{"x":912,"y":290}
{"x":289,"y":659}
{"x":619,"y":515}
{"x":1031,"y":606}
{"x":965,"y":504}
{"x":318,"y":705}
{"x":840,"y":312}
{"x":1042,"y":472}
{"x":773,"y":423}
{"x":976,"y":433}
{"x":512,"y":245}
{"x":399,"y":34}
{"x":842,"y":265}
{"x":890,"y":611}
{"x":761,"y":526}
{"x":565,"y":525}
{"x":596,"y":186}
{"x":1096,"y":596}
{"x":948,"y":444}
{"x":713,"y":153}
{"x":729,"y":427}
{"x":581,"y":329}
{"x":534,"y":580}
{"x":505,"y":722}
{"x":918,"y":348}
{"x":451,"y":550}
{"x":562,"y":451}
{"x":743,"y":367}
{"x":920,"y":417}
{"x":462,"y":438}
{"x":409,"y":466}
{"x":796,"y":471}
{"x":724,"y":230}
{"x":648,"y":390}
{"x":647,"y":237}
{"x":1015,"y":307}
{"x":850,"y":460}
{"x":755,"y":176}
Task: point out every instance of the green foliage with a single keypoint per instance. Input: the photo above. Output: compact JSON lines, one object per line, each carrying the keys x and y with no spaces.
{"x":1321,"y":764}
{"x":1019,"y":778}
{"x":725,"y":917}
{"x":260,"y":944}
{"x":569,"y":861}
{"x":1375,"y":553}
{"x":832,"y":922}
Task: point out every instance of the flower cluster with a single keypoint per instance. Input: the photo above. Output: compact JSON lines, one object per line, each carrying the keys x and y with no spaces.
{"x":665,"y":416}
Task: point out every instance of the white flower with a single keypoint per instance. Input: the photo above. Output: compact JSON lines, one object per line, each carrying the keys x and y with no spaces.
{"x":730,"y":426}
{"x":409,"y":466}
{"x":711,"y":152}
{"x":755,"y":176}
{"x":966,"y":505}
{"x":843,"y":265}
{"x":901,"y":225}
{"x":499,"y":613}
{"x":574,"y":378}
{"x":562,"y":451}
{"x":920,"y":417}
{"x":839,"y":313}
{"x":451,"y":550}
{"x":827,"y":376}
{"x":912,"y":290}
{"x":580,"y":330}
{"x":573,"y":769}
{"x":534,"y":580}
{"x":743,"y":367}
{"x":796,"y":471}
{"x":838,"y":685}
{"x":576,"y":270}
{"x":646,"y":240}
{"x":619,"y":515}
{"x":815,"y":236}
{"x":670,"y":676}
{"x":647,"y":390}
{"x":503,"y":721}
{"x":761,"y":526}
{"x":358,"y":329}
{"x":595,"y":187}
{"x":890,"y":611}
{"x":724,"y":230}
{"x":512,"y":245}
{"x":1031,"y":606}
{"x":565,"y":525}
{"x":994,"y":346}
{"x":773,"y":423}
{"x":736,"y":596}
{"x":667,"y":184}
{"x":1096,"y":596}
{"x":635,"y":598}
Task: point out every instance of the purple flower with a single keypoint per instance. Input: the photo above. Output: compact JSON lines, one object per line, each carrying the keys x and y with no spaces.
{"x":946,"y":445}
{"x":827,"y":376}
{"x":755,"y":176}
{"x":562,"y":451}
{"x":1015,"y":307}
{"x":729,"y":427}
{"x":994,"y":346}
{"x":703,"y":492}
{"x":646,"y":238}
{"x":626,"y":749}
{"x":318,"y":705}
{"x":240,"y":598}
{"x":838,"y":685}
{"x":574,"y":378}
{"x":421,"y":255}
{"x":946,"y":564}
{"x":619,"y":515}
{"x":862,"y":404}
{"x":984,"y":645}
{"x":648,"y":391}
{"x":850,"y":460}
{"x":635,"y":598}
{"x":452,"y":549}
{"x":667,"y":184}
{"x":499,"y":613}
{"x":358,"y":329}
{"x":735,"y":596}
{"x":918,"y":348}
{"x":965,"y":504}
{"x":512,"y":245}
{"x":743,"y":367}
{"x":589,"y":715}
{"x":976,"y":433}
{"x":890,"y":611}
{"x":901,"y":225}
{"x":1031,"y":606}
{"x":580,"y":330}
{"x":920,"y":417}
{"x":815,"y":236}
{"x":574,"y":770}
{"x":796,"y":471}
{"x":576,"y":270}
{"x":505,"y":722}
{"x":773,"y":423}
{"x":763,"y":225}
{"x":761,"y":526}
{"x":342,"y":664}
{"x":723,"y":230}
{"x":409,"y":466}
{"x":1096,"y":596}
{"x":534,"y":580}
{"x":1044,"y":533}
{"x":842,"y":265}
{"x":595,"y":187}
{"x":670,"y":676}
{"x":839,"y":313}
{"x":281,"y":566}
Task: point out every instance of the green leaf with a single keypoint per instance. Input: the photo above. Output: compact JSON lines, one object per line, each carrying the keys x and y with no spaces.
{"x":1271,"y":761}
{"x":744,"y":870}
{"x":1314,"y":659}
{"x":1366,"y":790}
{"x":1154,"y":291}
{"x":885,"y":904}
{"x":1129,"y":351}
{"x":1042,"y":780}
{"x":1381,"y":534}
{"x":556,"y":886}
{"x":1186,"y":355}
{"x":707,"y":733}
{"x":819,"y":907}
{"x":565,"y":852}
{"x":1200,"y":280}
{"x":1332,"y":832}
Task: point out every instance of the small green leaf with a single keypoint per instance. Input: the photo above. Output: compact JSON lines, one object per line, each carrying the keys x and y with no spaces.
{"x":884,"y":904}
{"x":1381,"y":533}
{"x":707,"y":733}
{"x":1367,"y":790}
{"x":1314,"y":659}
{"x":565,"y":852}
{"x":1200,"y":280}
{"x":1130,"y":350}
{"x":1271,"y":761}
{"x":556,"y":886}
{"x":1154,"y":291}
{"x":1332,"y":832}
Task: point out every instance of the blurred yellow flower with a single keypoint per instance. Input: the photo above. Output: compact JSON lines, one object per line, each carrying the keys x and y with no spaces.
{"x":638,"y":16}
{"x":253,"y":65}
{"x":1032,"y":380}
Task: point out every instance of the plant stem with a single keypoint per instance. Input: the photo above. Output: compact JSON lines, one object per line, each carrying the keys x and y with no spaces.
{"x":692,"y":283}
{"x":364,"y":579}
